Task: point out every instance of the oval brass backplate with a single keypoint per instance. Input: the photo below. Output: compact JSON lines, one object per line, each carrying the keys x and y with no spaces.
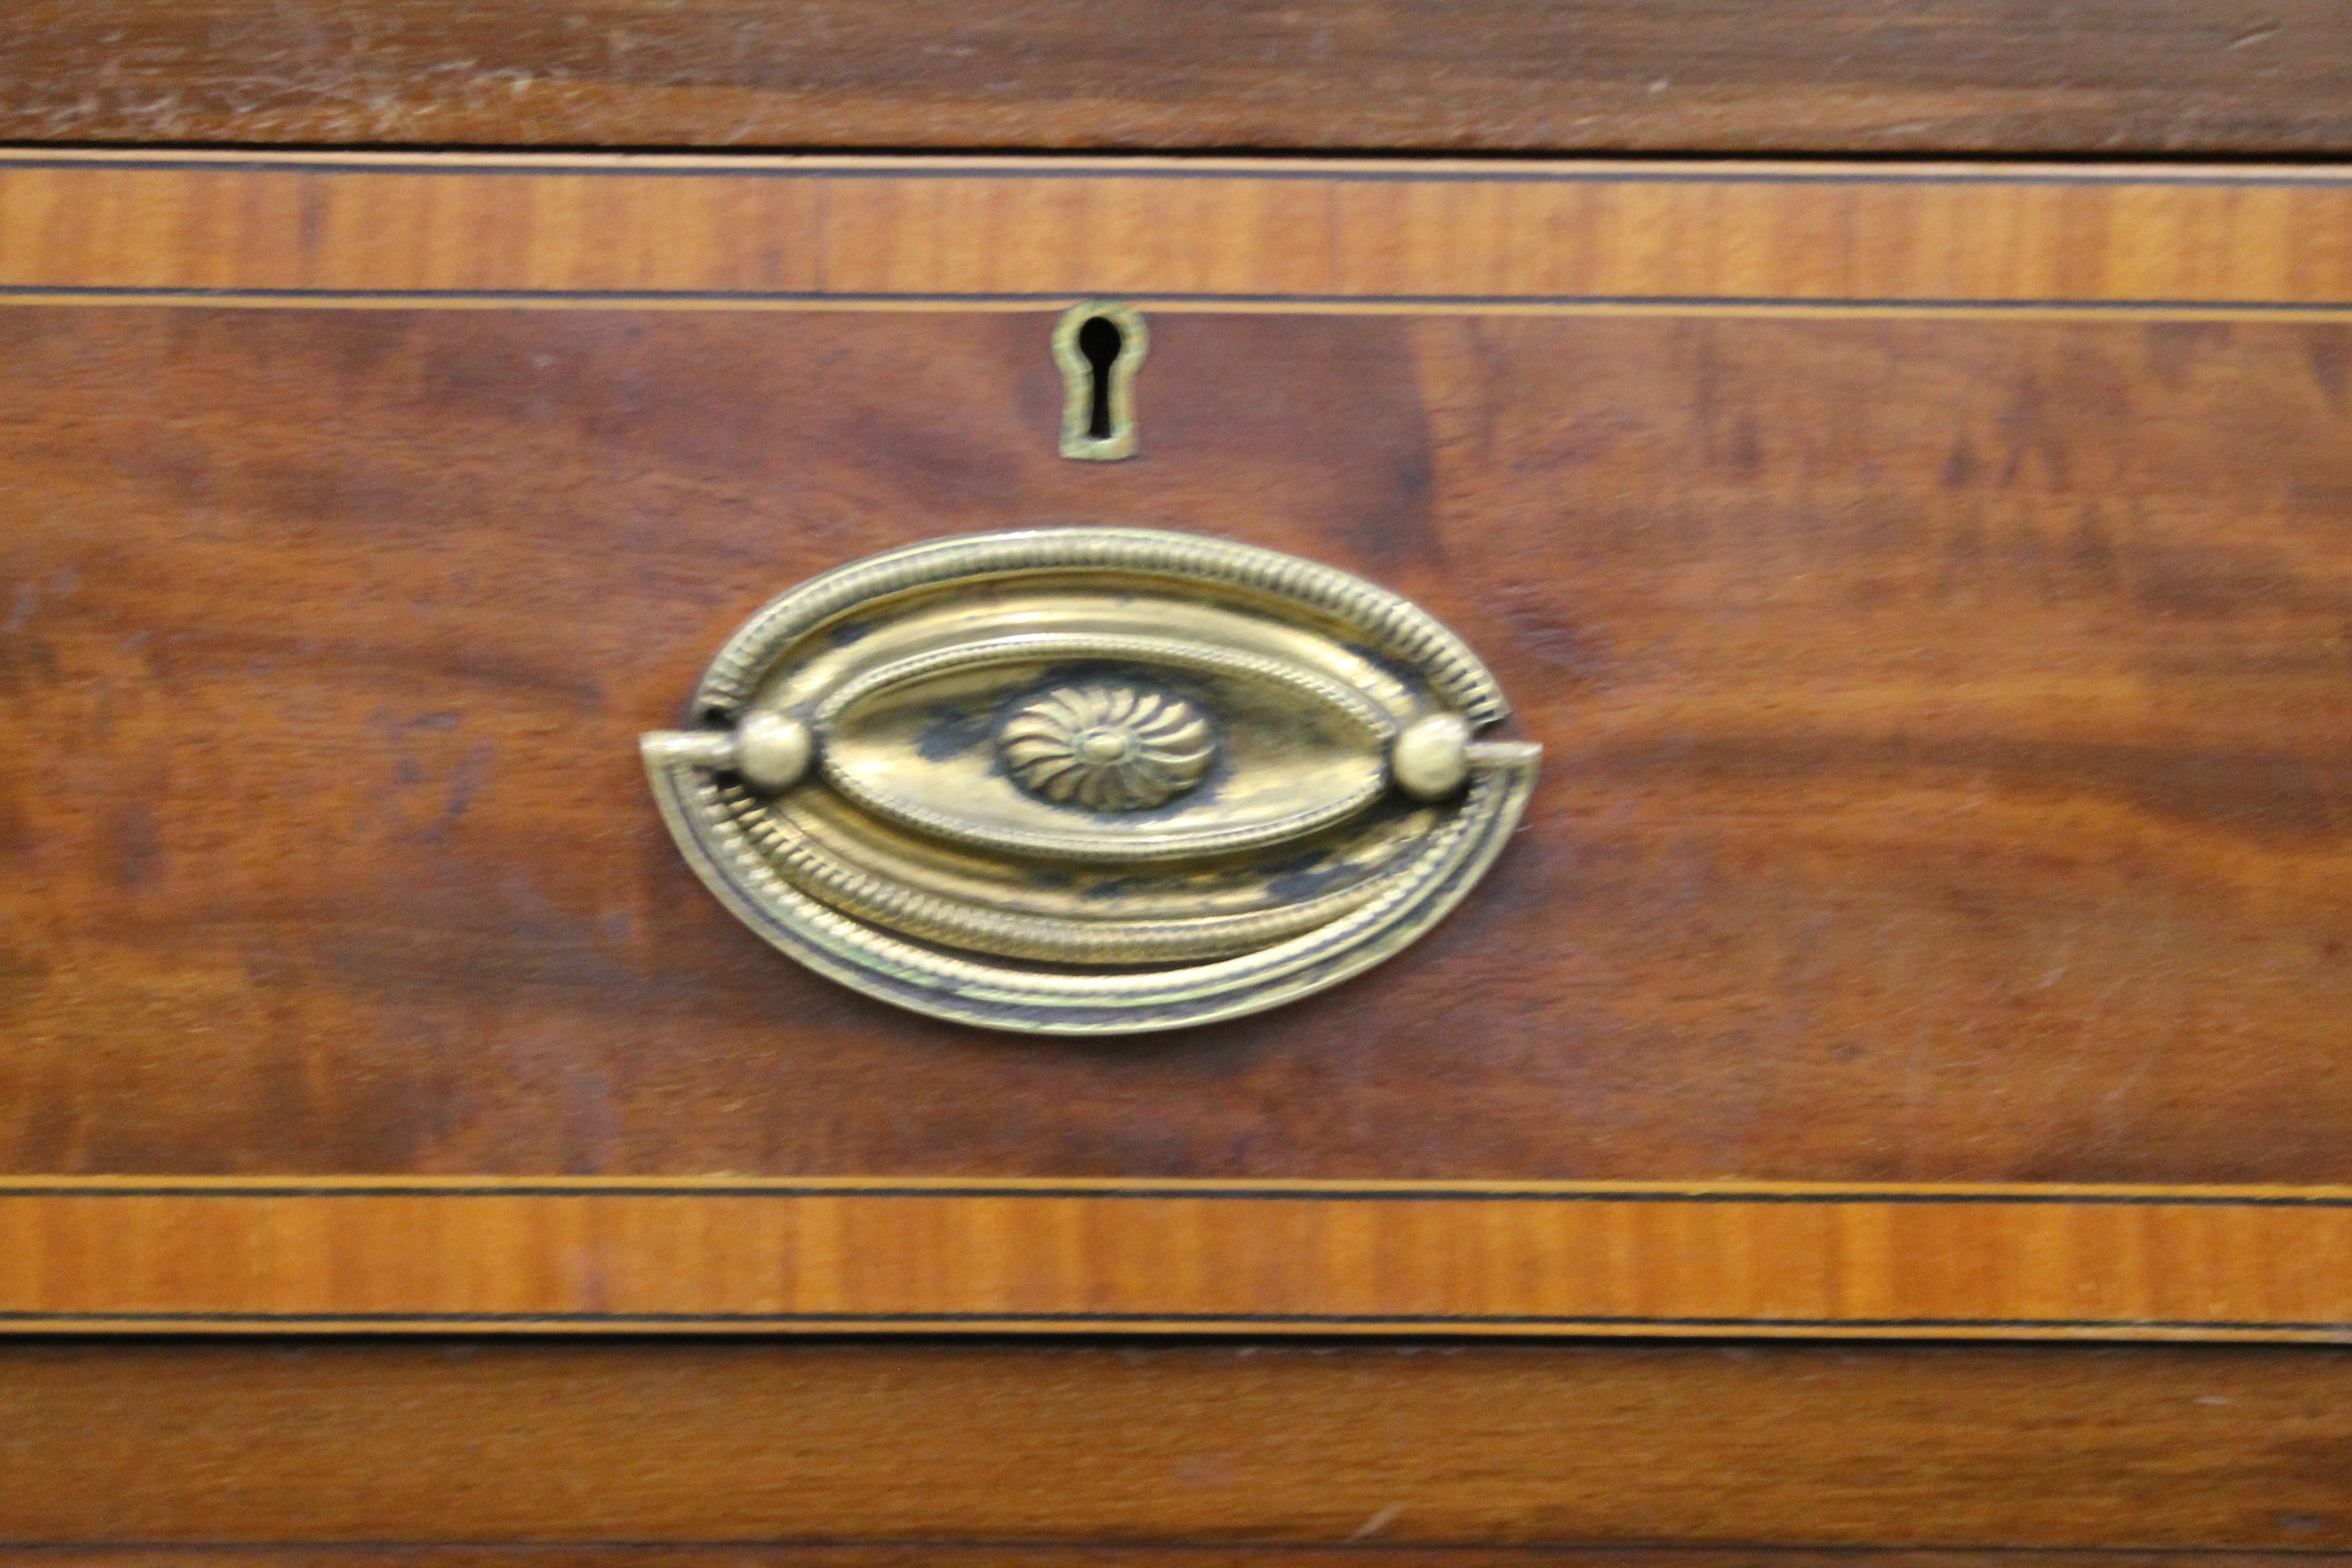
{"x":1090,"y":781}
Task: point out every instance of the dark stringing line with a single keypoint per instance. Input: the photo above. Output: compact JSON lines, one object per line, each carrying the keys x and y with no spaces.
{"x":1402,"y":1320}
{"x":1048,"y":168}
{"x":395,"y":297}
{"x":1237,"y":1191}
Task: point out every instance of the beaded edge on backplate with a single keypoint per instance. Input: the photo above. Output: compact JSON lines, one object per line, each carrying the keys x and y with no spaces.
{"x":1115,"y":703}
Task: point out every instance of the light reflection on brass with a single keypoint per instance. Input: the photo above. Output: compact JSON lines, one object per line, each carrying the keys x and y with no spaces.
{"x":1090,"y":780}
{"x":1108,"y":745}
{"x":1098,"y":400}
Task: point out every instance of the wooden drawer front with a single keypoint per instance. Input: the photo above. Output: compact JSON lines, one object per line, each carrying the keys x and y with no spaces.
{"x":1930,"y":588}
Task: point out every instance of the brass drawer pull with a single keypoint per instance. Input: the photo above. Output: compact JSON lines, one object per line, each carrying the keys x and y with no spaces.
{"x":1090,"y":781}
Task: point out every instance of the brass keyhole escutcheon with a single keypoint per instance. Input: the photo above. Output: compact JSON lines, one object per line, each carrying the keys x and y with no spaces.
{"x":1099,"y":345}
{"x":1091,"y":781}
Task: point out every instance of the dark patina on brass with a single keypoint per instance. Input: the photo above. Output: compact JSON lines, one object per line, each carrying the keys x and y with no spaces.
{"x":1091,"y":780}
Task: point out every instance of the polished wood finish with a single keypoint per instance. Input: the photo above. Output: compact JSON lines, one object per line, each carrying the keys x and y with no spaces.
{"x":548,"y":1255}
{"x":1881,"y":690}
{"x":2145,"y":1430}
{"x":1945,"y":710}
{"x":1225,"y":234}
{"x":2168,"y":77}
{"x":1943,"y":701}
{"x":2013,"y":1448}
{"x":2111,"y":81}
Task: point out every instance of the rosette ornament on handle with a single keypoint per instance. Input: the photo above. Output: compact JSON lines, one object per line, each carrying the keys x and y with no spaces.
{"x":1112,"y":747}
{"x":1091,"y":780}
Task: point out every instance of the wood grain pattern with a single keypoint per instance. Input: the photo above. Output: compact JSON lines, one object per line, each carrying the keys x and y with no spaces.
{"x":1949,"y":724}
{"x":696,"y":1256}
{"x":1948,"y":715}
{"x":1165,"y":232}
{"x":1038,"y":1445}
{"x":2172,"y":77}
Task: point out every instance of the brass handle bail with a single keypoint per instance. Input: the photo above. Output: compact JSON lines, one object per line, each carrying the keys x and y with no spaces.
{"x":1091,"y":780}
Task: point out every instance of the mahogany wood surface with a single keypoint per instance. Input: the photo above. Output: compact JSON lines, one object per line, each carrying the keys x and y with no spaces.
{"x":1930,"y":589}
{"x":2134,"y":1456}
{"x":2173,"y":76}
{"x":1946,"y":713}
{"x":2011,"y":1447}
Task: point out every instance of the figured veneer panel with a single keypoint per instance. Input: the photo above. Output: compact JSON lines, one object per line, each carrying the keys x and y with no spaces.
{"x":1949,"y":723}
{"x":1381,"y":234}
{"x":684,"y":1255}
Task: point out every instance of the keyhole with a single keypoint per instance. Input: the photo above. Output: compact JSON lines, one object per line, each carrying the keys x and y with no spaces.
{"x":1100,"y":341}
